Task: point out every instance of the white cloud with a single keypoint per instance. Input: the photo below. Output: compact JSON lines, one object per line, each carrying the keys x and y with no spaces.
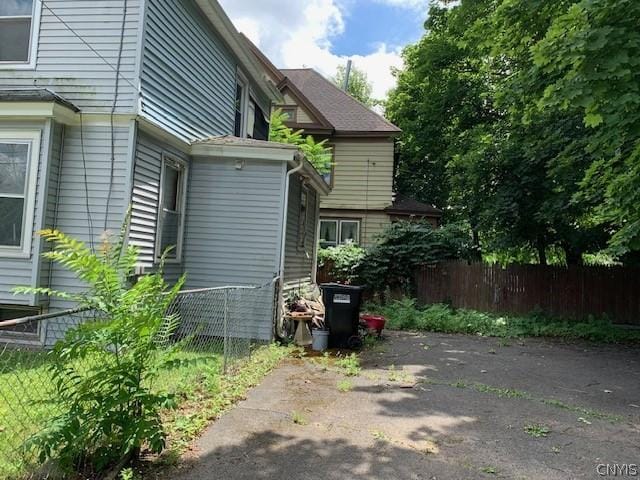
{"x":420,"y":5}
{"x":301,"y":37}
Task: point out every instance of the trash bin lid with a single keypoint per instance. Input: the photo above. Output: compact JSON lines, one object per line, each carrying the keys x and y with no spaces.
{"x":340,"y":286}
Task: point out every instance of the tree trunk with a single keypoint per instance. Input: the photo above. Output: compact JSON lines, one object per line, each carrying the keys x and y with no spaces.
{"x":573,"y":255}
{"x":477,"y":253}
{"x":542,"y":251}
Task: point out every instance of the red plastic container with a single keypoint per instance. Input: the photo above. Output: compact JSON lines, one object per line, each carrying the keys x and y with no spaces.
{"x":374,"y":322}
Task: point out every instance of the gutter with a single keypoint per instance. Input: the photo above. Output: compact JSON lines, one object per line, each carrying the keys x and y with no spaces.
{"x":283,"y":243}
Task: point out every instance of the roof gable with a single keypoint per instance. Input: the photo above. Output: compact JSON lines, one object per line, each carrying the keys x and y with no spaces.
{"x":346,"y":114}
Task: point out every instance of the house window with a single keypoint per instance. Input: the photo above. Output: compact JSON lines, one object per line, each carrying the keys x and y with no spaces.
{"x":330,"y":175}
{"x":290,"y":114}
{"x":349,"y":231}
{"x":338,"y":232}
{"x":302,"y":225}
{"x":12,"y":312}
{"x":19,"y":21}
{"x":172,"y":208}
{"x":19,"y":152}
{"x":241,"y":106}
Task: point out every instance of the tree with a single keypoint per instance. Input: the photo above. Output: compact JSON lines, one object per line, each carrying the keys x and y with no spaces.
{"x":359,"y":85}
{"x":591,"y":54}
{"x":316,"y":152}
{"x":478,"y":140}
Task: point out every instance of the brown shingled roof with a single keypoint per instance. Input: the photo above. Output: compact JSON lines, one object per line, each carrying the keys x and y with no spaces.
{"x":345,"y":113}
{"x":403,"y":205}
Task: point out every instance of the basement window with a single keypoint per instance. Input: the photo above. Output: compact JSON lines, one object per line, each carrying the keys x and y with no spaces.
{"x":19,"y":24}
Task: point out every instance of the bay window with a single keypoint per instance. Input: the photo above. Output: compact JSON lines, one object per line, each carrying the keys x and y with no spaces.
{"x":172,"y":209}
{"x":19,"y":151}
{"x":19,"y":22}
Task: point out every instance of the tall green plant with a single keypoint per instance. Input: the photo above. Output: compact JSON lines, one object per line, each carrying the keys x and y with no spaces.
{"x":343,"y":260}
{"x":104,"y":370}
{"x":403,"y":246}
{"x":318,"y":154}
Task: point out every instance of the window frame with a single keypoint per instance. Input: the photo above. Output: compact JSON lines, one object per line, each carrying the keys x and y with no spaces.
{"x":339,"y":222}
{"x":332,"y":172}
{"x":242,"y":81}
{"x":293,"y":111}
{"x":303,"y":218}
{"x":29,"y":338}
{"x":34,"y":36}
{"x":168,"y":159}
{"x":33,"y":138}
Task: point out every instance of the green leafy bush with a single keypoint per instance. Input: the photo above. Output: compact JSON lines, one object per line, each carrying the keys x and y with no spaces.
{"x":403,"y":246}
{"x":342,"y":261}
{"x":104,"y":370}
{"x":404,"y":314}
{"x":318,"y":154}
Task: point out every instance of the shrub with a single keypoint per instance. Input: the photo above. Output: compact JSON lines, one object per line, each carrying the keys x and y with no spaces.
{"x":405,"y":315}
{"x":343,"y":261}
{"x":104,"y":370}
{"x":403,"y":246}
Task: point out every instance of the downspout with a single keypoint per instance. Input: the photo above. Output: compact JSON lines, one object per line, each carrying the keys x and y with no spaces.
{"x":283,"y":243}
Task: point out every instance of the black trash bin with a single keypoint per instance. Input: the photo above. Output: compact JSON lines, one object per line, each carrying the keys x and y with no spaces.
{"x":342,"y":315}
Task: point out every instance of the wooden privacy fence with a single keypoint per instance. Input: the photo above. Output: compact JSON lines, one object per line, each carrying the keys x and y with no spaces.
{"x":570,"y":292}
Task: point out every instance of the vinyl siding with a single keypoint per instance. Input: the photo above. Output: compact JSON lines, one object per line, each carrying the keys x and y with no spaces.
{"x":66,"y":65}
{"x":188,"y":77}
{"x":232,"y":232}
{"x":363,"y":175}
{"x":372,"y":223}
{"x":18,"y":271}
{"x":302,"y":116}
{"x":57,"y":141}
{"x":72,"y":217}
{"x":299,"y":258}
{"x":145,"y":199}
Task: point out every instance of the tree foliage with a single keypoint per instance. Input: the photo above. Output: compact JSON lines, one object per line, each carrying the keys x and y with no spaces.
{"x":318,"y":154}
{"x":403,"y":246}
{"x":521,"y":118}
{"x":359,"y":88}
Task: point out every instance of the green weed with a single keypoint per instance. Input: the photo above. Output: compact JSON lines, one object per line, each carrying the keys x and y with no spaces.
{"x":298,"y":418}
{"x":349,"y":365}
{"x":537,"y":430}
{"x":404,"y":314}
{"x":345,"y":386}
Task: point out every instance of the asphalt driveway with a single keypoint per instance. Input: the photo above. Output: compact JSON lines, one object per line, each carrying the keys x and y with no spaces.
{"x":436,"y":407}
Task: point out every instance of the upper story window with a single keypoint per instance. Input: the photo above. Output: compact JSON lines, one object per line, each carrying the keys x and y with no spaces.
{"x":19,"y":151}
{"x":172,"y":208}
{"x":290,"y":113}
{"x":19,"y":22}
{"x":241,"y":106}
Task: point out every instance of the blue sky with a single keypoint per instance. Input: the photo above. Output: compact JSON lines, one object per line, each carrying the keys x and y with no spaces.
{"x":369,"y":24}
{"x":323,"y":34}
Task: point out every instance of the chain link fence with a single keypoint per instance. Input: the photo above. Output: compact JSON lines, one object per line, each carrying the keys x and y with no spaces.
{"x":223,"y":323}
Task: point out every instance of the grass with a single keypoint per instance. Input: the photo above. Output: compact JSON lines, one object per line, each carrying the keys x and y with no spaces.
{"x":537,"y":430}
{"x":298,"y":418}
{"x":520,"y":394}
{"x":345,"y":386}
{"x":26,"y":390}
{"x":406,"y":315}
{"x":349,"y":365}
